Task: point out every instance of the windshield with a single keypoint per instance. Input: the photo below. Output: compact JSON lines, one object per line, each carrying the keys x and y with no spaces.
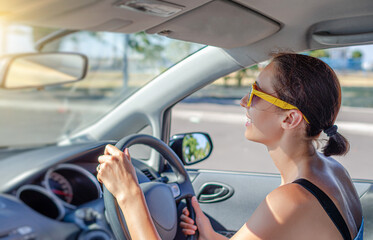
{"x":119,"y":65}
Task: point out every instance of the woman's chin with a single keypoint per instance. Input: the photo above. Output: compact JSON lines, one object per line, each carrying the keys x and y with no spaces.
{"x":248,"y":135}
{"x":251,"y":136}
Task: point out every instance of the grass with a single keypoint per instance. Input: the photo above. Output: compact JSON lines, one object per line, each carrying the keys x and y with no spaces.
{"x":357,"y":96}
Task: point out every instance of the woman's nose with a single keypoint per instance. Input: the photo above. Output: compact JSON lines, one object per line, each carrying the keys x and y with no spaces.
{"x":243,"y":102}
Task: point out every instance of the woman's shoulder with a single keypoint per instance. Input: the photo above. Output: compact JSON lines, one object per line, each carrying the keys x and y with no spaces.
{"x":291,"y":192}
{"x":287,"y":212}
{"x":291,"y":195}
{"x":291,"y":202}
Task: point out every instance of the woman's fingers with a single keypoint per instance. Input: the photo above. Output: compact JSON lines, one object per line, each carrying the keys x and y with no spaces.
{"x":186,"y":211}
{"x":105,"y":158}
{"x":114,"y":151}
{"x":114,"y":154}
{"x":186,"y":219}
{"x":127,"y":154}
{"x":185,"y":225}
{"x":111,"y":150}
{"x":196,"y":207}
{"x":187,"y":228}
{"x":188,"y":232}
{"x":99,"y":168}
{"x":115,"y":167}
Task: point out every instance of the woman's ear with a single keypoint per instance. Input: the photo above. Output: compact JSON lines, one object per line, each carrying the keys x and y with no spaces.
{"x":292,"y":119}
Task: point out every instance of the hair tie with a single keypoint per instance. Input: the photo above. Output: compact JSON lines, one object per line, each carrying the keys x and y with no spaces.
{"x":331,"y":131}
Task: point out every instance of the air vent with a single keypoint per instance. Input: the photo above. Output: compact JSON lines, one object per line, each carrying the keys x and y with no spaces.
{"x":148,"y":174}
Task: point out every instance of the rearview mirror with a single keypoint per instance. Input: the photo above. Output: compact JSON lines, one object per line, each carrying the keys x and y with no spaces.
{"x":191,"y":147}
{"x":36,"y":70}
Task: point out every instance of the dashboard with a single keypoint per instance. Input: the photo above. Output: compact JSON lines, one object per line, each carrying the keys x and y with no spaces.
{"x":53,"y":193}
{"x":62,"y":188}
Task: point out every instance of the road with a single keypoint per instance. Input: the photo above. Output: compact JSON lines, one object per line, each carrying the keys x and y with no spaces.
{"x":226,"y":125}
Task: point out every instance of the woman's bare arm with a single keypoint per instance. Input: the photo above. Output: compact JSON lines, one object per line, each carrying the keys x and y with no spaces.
{"x":138,"y":219}
{"x":119,"y":177}
{"x":279,"y":216}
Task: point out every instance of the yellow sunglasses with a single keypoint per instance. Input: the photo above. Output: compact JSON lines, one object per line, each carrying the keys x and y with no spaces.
{"x":253,"y":90}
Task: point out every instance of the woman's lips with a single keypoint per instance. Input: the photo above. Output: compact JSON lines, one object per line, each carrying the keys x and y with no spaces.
{"x":248,"y":121}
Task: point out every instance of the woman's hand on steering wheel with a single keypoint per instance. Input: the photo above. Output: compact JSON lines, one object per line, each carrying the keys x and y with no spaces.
{"x":131,"y":206}
{"x":188,"y":226}
{"x":117,"y":173}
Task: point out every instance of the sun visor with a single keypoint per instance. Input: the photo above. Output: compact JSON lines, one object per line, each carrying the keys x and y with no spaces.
{"x":218,"y":23}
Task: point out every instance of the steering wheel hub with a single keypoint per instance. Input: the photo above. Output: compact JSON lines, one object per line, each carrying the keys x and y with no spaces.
{"x":163,"y":211}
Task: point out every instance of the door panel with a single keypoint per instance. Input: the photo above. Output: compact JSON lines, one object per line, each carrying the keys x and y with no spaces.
{"x":249,"y":190}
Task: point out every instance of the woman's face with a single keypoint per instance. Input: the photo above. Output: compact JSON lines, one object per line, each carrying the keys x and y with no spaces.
{"x":264,"y":119}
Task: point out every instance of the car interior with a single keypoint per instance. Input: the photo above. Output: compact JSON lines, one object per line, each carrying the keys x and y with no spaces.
{"x":51,"y":192}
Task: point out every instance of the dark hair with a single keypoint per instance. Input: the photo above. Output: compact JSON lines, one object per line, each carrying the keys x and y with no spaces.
{"x":313,"y":87}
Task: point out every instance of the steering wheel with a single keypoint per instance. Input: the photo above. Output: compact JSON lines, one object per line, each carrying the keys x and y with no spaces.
{"x":159,"y":198}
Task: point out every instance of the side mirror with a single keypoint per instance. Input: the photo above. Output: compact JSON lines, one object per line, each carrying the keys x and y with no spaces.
{"x":191,"y":147}
{"x":37,"y":70}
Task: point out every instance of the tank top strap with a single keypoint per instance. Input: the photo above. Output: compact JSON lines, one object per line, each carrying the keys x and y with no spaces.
{"x":328,"y":206}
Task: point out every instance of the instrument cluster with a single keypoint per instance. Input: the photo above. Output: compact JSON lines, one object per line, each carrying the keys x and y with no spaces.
{"x":64,"y":187}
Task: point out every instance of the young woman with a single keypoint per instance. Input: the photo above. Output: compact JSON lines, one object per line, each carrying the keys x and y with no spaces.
{"x":294,"y":99}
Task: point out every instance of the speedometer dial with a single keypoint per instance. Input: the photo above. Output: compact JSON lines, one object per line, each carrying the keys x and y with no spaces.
{"x":60,"y":187}
{"x":72,"y":184}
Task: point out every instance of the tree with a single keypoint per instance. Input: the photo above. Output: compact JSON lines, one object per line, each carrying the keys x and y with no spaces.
{"x":319,"y":53}
{"x":241,"y":74}
{"x":190,"y":148}
{"x":356,"y":54}
{"x":193,"y":150}
{"x":148,"y":45}
{"x":141,"y":43}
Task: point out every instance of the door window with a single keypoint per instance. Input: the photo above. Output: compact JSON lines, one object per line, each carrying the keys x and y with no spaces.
{"x":215,"y":109}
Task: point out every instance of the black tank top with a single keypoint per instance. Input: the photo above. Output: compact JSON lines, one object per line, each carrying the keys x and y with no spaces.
{"x":328,"y":206}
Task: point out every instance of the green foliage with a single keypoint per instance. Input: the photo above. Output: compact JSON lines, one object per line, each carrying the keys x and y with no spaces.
{"x":319,"y":53}
{"x":177,"y":50}
{"x":242,"y":74}
{"x":357,"y":96}
{"x":356,"y":54}
{"x":148,"y":45}
{"x":254,"y":68}
{"x":192,"y":150}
